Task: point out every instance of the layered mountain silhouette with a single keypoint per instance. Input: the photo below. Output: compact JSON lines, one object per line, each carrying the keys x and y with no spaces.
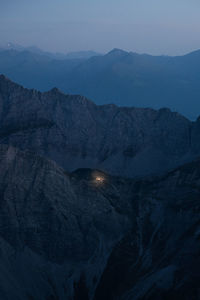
{"x":57,"y":55}
{"x":119,"y":77}
{"x":96,"y":202}
{"x":76,"y":133}
{"x":34,"y":70}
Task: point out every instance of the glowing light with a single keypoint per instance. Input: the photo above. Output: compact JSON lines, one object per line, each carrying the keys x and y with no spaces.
{"x":99,"y":179}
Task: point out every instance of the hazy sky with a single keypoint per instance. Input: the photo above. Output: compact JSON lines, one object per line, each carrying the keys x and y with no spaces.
{"x":152,"y":26}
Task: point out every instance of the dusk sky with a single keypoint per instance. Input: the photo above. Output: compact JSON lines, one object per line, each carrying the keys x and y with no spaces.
{"x":152,"y":26}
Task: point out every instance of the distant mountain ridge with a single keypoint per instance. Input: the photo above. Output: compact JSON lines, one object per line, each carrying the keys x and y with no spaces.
{"x":119,"y":77}
{"x":76,"y":133}
{"x":56,"y":55}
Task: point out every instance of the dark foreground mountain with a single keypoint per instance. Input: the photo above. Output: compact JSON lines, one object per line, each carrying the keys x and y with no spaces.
{"x":120,"y":77}
{"x":76,"y":133}
{"x":88,"y":235}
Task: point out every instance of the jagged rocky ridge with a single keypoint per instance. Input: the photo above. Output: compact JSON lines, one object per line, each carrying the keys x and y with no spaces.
{"x":68,"y":236}
{"x":76,"y":133}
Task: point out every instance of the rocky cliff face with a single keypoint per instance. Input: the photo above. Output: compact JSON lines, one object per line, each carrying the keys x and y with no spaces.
{"x":84,"y":234}
{"x":56,"y":229}
{"x":87,"y":235}
{"x":159,"y":257}
{"x":75,"y":132}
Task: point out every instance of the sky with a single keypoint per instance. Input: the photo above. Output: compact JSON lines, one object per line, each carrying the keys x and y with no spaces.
{"x":169,"y":27}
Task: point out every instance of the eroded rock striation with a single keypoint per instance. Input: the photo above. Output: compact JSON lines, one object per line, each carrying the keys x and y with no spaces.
{"x":71,"y":236}
{"x":55,"y":228}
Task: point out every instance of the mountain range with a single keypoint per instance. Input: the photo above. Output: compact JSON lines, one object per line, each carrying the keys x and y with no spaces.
{"x":118,"y":77}
{"x":76,"y":133}
{"x":57,"y":55}
{"x":96,"y":202}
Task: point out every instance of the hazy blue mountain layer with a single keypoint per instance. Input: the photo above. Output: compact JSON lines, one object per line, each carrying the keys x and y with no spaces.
{"x":57,"y":55}
{"x":119,"y":77}
{"x":34,"y":70}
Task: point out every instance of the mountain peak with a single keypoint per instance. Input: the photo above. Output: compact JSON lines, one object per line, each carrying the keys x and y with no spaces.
{"x":6,"y":82}
{"x":117,"y":52}
{"x":55,"y":90}
{"x":3,"y":77}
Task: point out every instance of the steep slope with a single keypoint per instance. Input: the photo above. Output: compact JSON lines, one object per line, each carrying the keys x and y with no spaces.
{"x":159,"y":258}
{"x":56,"y":230}
{"x":73,"y":236}
{"x":76,"y":133}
